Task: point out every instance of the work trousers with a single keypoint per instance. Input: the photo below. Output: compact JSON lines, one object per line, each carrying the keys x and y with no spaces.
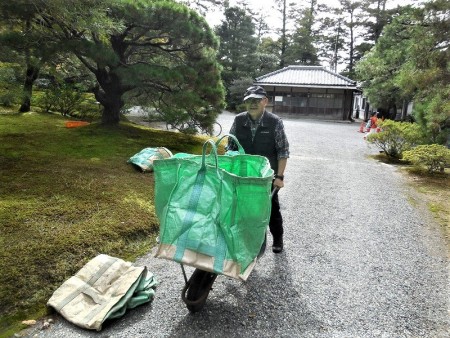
{"x":276,"y":220}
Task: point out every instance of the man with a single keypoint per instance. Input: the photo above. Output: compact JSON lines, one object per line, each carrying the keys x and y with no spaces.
{"x":262,"y":133}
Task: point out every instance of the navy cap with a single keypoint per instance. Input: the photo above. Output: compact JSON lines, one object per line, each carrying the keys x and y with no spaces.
{"x":256,"y":92}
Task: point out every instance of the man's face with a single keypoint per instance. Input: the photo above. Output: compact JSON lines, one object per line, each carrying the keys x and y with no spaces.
{"x":255,"y":107}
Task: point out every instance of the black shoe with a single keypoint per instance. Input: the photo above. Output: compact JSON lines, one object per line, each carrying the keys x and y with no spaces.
{"x":277,"y":246}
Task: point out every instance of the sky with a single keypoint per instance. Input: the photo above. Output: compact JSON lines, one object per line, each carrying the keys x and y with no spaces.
{"x":214,"y":18}
{"x":267,"y":7}
{"x":274,"y":17}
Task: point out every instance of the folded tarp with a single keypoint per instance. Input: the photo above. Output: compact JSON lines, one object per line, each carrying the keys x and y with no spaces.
{"x":103,"y":289}
{"x":143,"y":160}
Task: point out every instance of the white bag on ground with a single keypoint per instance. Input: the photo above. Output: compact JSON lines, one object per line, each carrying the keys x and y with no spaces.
{"x":143,"y":160}
{"x":103,"y":289}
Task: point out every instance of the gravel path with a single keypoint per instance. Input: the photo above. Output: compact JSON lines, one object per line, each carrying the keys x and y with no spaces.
{"x":360,"y":260}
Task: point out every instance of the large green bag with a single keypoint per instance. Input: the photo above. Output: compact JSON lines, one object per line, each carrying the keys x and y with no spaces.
{"x":213,"y":210}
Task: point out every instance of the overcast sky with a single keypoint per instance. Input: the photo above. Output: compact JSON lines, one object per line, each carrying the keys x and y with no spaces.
{"x":266,"y":6}
{"x":274,"y":17}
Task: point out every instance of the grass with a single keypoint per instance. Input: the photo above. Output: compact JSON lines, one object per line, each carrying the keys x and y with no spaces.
{"x":67,"y":195}
{"x":433,"y":190}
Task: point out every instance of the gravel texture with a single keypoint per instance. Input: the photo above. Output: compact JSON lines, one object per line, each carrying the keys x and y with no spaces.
{"x":360,"y":259}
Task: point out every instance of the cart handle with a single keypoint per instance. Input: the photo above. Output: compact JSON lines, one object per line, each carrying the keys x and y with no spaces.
{"x":274,"y":192}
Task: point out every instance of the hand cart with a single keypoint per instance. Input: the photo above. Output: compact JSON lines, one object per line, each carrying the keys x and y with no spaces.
{"x":197,"y":288}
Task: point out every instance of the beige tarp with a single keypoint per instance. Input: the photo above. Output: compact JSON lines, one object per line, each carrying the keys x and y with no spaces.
{"x":104,"y":288}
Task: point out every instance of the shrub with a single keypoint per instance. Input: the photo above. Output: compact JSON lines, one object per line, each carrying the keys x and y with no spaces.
{"x":396,"y":137}
{"x":46,"y":101}
{"x":433,"y":156}
{"x":63,"y":98}
{"x":8,"y":98}
{"x":10,"y":86}
{"x":89,"y":109}
{"x":236,"y":93}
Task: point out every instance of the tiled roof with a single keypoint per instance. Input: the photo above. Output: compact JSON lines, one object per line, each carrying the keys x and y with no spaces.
{"x":305,"y":76}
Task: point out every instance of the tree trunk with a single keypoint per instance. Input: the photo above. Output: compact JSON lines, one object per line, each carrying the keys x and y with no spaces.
{"x":283,"y":37}
{"x":404,"y":110}
{"x":112,"y":103}
{"x":111,"y":112}
{"x":30,"y":76}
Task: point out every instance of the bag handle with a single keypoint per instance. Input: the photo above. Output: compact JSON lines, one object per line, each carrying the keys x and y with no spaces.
{"x":235,"y":140}
{"x":213,"y":153}
{"x":194,"y":200}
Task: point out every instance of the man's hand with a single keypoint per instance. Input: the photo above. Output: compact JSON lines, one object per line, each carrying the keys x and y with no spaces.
{"x":278,"y":183}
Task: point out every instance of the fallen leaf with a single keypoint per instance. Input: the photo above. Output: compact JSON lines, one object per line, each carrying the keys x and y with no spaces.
{"x":29,"y":322}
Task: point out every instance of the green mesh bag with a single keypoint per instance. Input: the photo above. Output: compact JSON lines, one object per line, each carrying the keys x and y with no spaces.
{"x":213,"y":210}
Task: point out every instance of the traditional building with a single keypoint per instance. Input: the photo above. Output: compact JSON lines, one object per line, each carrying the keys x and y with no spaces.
{"x":309,"y":91}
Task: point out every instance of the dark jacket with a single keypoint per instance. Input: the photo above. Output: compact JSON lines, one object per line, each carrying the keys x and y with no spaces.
{"x":264,"y":141}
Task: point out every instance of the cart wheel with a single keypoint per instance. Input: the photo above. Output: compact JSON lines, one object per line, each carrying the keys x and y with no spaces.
{"x":196,"y":290}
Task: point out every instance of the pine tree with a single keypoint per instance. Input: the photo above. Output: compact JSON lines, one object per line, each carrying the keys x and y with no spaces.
{"x":238,"y":44}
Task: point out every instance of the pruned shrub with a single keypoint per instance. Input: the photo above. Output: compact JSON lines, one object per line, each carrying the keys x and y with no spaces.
{"x":434,"y":157}
{"x":89,"y":109}
{"x":396,"y":137}
{"x":236,"y":93}
{"x":63,"y":98}
{"x":46,"y":101}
